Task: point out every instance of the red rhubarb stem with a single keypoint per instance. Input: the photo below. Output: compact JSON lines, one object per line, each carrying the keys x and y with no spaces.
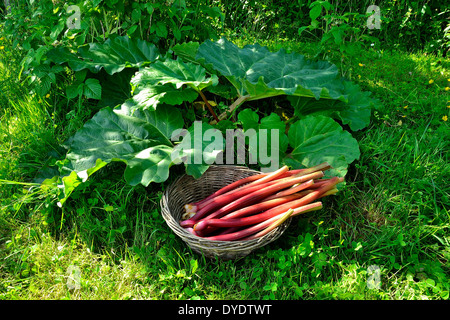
{"x":292,"y":190}
{"x":257,"y":218}
{"x":221,"y":201}
{"x":274,"y":225}
{"x":257,"y":208}
{"x":260,"y":226}
{"x":232,"y":221}
{"x":267,"y":203}
{"x":283,"y":172}
{"x":249,"y":198}
{"x":266,"y":178}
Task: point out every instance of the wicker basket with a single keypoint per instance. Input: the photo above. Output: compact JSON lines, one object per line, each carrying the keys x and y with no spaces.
{"x":186,"y":189}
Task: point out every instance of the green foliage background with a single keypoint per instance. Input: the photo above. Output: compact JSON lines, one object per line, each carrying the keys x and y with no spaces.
{"x":405,"y":24}
{"x":393,"y":213}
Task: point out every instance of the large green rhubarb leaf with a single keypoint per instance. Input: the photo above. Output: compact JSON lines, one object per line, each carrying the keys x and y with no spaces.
{"x":171,"y":82}
{"x":116,"y":89}
{"x":316,"y":139}
{"x":231,"y":61}
{"x":254,"y":68}
{"x":139,"y":140}
{"x":353,"y":108}
{"x":258,"y":73}
{"x":176,"y":72}
{"x":186,"y":51}
{"x":113,"y":55}
{"x":146,"y":140}
{"x":149,"y":97}
{"x":166,"y":120}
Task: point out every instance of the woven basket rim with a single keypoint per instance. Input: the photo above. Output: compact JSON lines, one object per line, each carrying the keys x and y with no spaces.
{"x":214,"y":247}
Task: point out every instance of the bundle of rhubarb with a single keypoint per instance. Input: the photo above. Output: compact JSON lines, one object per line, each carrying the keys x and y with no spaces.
{"x":251,"y":207}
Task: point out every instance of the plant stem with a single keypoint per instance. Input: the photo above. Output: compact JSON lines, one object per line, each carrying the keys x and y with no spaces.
{"x":236,"y":220}
{"x":209,"y":106}
{"x":266,"y":178}
{"x":235,"y":104}
{"x":280,"y":218}
{"x":262,"y":191}
{"x":274,"y":225}
{"x":266,"y":204}
{"x":244,"y":233}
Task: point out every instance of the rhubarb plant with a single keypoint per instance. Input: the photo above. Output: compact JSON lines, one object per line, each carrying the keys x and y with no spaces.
{"x":145,"y":124}
{"x":257,"y":73}
{"x":114,"y":55}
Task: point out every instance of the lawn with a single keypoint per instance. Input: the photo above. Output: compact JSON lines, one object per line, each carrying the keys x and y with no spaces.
{"x":384,"y":236}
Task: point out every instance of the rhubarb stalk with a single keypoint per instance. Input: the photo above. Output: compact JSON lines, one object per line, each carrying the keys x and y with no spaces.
{"x":274,"y":225}
{"x":232,"y":221}
{"x":262,"y":191}
{"x":260,"y":226}
{"x":283,"y":172}
{"x":249,"y":181}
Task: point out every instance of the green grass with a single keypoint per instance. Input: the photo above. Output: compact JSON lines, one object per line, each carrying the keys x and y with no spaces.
{"x":392,"y":214}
